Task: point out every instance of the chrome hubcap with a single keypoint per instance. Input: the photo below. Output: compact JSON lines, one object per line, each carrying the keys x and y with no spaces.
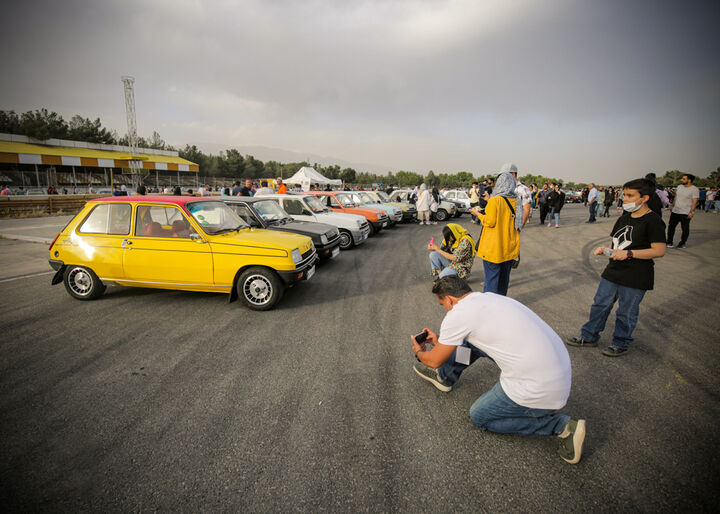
{"x":80,"y":281}
{"x":257,"y":289}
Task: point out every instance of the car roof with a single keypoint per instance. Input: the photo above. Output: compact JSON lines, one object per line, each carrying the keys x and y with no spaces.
{"x":177,"y":200}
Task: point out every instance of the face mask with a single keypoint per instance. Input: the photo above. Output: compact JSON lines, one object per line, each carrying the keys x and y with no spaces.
{"x":632,"y":207}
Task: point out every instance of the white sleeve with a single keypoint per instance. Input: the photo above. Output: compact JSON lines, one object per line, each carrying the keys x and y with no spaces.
{"x":453,"y":331}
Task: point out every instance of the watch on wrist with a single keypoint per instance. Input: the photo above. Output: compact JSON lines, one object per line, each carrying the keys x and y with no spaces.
{"x":629,"y":254}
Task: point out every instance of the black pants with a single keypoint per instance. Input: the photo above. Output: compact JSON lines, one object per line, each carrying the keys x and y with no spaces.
{"x":606,"y":212}
{"x":684,"y":225}
{"x":544,"y":209}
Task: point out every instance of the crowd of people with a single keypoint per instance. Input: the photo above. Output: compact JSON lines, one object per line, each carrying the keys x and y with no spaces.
{"x":535,"y":368}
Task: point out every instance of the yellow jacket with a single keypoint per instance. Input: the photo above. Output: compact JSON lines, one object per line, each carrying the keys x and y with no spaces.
{"x":499,"y":241}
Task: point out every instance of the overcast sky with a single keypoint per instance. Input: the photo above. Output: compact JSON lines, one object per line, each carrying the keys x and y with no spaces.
{"x":583,"y":90}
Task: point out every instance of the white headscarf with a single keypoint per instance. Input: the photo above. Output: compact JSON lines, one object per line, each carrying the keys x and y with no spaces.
{"x":504,"y":186}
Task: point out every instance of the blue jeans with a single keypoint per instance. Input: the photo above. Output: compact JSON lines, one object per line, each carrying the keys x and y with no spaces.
{"x":626,"y":316}
{"x":556,"y":215}
{"x":593,"y":210}
{"x":440,"y":262}
{"x":496,"y":412}
{"x":497,"y":277}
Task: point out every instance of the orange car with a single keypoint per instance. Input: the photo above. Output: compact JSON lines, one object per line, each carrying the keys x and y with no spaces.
{"x":339,"y":201}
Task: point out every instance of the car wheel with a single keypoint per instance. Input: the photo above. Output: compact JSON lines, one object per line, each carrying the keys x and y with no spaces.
{"x":373,"y":231}
{"x":82,"y":283}
{"x":346,"y":240}
{"x":260,"y":288}
{"x":441,"y":215}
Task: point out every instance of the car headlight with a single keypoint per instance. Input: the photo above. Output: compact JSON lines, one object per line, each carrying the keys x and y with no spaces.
{"x":323,"y":239}
{"x":296,"y":255}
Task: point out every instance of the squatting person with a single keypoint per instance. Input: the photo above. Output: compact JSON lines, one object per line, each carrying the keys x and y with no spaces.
{"x":455,"y":256}
{"x":638,"y":237}
{"x":535,"y":373}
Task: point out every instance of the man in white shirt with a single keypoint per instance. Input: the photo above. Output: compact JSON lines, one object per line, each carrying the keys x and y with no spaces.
{"x":593,"y":196}
{"x":265,"y":189}
{"x":535,"y":372}
{"x":683,"y":209}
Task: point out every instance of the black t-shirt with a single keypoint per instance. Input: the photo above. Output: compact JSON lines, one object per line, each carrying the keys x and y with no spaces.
{"x":635,"y":234}
{"x":655,"y":204}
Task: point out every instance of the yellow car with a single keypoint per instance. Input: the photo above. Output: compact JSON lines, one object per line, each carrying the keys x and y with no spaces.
{"x":185,"y":243}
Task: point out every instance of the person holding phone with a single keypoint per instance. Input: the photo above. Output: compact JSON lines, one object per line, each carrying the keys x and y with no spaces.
{"x":535,"y":370}
{"x":455,"y":256}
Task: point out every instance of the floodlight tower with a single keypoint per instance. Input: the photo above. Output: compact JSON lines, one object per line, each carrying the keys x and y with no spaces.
{"x":131,"y":124}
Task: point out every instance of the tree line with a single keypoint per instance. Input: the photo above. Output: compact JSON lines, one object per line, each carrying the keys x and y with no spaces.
{"x":42,"y":124}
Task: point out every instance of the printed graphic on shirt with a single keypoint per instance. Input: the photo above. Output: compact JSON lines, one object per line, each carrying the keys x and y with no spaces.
{"x":622,"y":238}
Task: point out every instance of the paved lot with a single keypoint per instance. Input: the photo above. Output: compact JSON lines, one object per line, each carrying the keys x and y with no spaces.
{"x":147,"y":399}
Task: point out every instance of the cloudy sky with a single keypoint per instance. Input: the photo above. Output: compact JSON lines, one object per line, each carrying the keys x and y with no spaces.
{"x":579,"y":89}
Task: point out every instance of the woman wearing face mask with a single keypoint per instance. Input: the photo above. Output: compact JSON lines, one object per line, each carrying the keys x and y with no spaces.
{"x":556,"y":200}
{"x":455,"y":256}
{"x":499,"y":241}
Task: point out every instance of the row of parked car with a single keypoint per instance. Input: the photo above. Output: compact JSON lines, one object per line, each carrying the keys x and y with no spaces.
{"x":250,"y":248}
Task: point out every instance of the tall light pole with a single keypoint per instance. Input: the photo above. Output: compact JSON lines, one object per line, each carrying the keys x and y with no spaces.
{"x":129,"y":82}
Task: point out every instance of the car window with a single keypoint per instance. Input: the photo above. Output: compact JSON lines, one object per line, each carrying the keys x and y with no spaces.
{"x":346,"y":200}
{"x":270,"y":210}
{"x":383,"y":196}
{"x":215,"y":217}
{"x":332,"y":202}
{"x":293,"y":207}
{"x":314,"y":203}
{"x":161,"y":221}
{"x":245,"y":214}
{"x":108,"y":218}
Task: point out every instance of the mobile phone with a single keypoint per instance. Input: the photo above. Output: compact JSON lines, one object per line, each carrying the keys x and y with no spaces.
{"x":432,"y":240}
{"x":421,"y":337}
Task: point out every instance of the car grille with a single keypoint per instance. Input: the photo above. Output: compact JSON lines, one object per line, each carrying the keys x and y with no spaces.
{"x":308,"y":256}
{"x":332,"y":236}
{"x":382,"y":219}
{"x":411,"y":209}
{"x":364,"y":226}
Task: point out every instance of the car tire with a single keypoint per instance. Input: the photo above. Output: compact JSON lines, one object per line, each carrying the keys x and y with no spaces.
{"x":82,"y":283}
{"x":260,"y":288}
{"x":346,"y":240}
{"x":441,"y":215}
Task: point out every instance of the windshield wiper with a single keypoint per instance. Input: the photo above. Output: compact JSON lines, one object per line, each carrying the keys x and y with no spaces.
{"x":224,"y":230}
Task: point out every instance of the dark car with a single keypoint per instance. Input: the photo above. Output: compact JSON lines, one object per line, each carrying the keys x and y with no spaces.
{"x":267,"y":213}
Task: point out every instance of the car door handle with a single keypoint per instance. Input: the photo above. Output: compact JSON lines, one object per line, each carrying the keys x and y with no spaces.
{"x":126,"y":244}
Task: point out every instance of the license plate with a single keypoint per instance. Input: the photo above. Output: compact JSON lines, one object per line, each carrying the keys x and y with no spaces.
{"x":310,"y":273}
{"x":335,"y":251}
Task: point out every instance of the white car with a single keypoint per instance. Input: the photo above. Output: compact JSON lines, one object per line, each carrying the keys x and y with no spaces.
{"x":445,"y":209}
{"x":459,"y":198}
{"x":354,"y":229}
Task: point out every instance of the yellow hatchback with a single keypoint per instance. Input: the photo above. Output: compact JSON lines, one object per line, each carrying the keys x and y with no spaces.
{"x":185,"y":243}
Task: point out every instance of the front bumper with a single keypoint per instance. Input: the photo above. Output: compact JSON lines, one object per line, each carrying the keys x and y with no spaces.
{"x":409,"y":215}
{"x":359,"y":236}
{"x":303,"y":271}
{"x":326,"y":251}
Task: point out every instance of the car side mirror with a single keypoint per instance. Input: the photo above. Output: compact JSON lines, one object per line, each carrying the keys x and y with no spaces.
{"x":196,"y":237}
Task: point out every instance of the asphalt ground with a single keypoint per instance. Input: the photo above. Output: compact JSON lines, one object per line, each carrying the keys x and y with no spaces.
{"x":147,"y":400}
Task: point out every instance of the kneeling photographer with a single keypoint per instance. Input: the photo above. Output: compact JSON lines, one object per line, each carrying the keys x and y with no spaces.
{"x":535,"y":373}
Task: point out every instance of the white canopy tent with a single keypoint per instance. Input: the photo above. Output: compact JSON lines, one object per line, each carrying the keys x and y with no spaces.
{"x":308,"y":175}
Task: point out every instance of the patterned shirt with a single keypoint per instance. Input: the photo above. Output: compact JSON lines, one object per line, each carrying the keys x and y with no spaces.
{"x":463,"y":258}
{"x":523,"y":197}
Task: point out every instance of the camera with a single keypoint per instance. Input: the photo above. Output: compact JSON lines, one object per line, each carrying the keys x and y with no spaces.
{"x":421,"y":337}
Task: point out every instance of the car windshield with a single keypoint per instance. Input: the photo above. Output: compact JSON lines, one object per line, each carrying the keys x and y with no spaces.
{"x":345,"y":200}
{"x":462,"y":195}
{"x":270,"y":210}
{"x":215,"y":217}
{"x":365,"y":198}
{"x":315,"y":204}
{"x":383,"y":196}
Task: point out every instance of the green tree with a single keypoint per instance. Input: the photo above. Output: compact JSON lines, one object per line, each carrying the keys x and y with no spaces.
{"x":430,"y":179}
{"x":84,"y":129}
{"x":41,"y":124}
{"x":348,"y":175}
{"x":10,"y":123}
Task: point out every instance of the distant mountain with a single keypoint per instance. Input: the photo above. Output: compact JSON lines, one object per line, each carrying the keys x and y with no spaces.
{"x":265,"y":153}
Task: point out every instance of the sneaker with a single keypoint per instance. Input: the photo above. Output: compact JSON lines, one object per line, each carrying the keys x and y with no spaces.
{"x":579,"y":341}
{"x":432,"y":376}
{"x":557,"y":225}
{"x":614,"y":351}
{"x":549,"y":225}
{"x":670,"y":245}
{"x":572,"y":444}
{"x":681,"y":246}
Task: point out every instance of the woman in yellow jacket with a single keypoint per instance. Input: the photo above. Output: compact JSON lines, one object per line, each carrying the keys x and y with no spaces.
{"x":499,"y":241}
